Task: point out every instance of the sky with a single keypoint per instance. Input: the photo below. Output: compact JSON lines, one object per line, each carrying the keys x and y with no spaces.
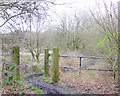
{"x":78,"y":4}
{"x":69,"y":7}
{"x":73,"y":6}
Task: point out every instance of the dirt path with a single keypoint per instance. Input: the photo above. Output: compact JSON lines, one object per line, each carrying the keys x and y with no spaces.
{"x":47,"y":88}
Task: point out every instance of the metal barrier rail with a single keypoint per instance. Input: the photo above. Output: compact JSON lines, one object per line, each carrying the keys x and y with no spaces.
{"x":88,"y":69}
{"x":90,"y":58}
{"x":87,"y":57}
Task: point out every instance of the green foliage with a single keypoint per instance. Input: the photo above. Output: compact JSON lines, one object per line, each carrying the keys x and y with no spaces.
{"x":27,"y":62}
{"x":23,"y":93}
{"x":10,"y":78}
{"x":46,"y":79}
{"x":14,"y":86}
{"x":18,"y":82}
{"x":63,"y":86}
{"x":38,"y":90}
{"x":6,"y":74}
{"x":30,"y":86}
{"x":6,"y":83}
{"x":107,"y":45}
{"x":103,"y":41}
{"x":21,"y":89}
{"x":12,"y":67}
{"x":29,"y":16}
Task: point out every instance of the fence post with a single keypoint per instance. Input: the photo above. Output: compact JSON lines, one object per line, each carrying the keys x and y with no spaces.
{"x":55,"y":77}
{"x":46,"y":63}
{"x":16,"y":60}
{"x":80,"y":65}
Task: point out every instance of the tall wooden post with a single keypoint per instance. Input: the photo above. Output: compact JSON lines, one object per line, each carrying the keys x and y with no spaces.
{"x":16,"y":60}
{"x":55,"y":76}
{"x":46,"y":63}
{"x":118,"y":61}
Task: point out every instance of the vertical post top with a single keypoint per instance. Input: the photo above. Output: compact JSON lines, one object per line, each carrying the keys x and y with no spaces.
{"x":55,"y":48}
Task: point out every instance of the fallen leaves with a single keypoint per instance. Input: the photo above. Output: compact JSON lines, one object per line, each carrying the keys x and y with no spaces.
{"x":84,"y":84}
{"x":9,"y":89}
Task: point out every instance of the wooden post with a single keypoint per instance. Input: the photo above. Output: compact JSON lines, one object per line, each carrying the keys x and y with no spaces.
{"x":46,"y":63}
{"x":118,"y":61}
{"x":16,"y":60}
{"x":55,"y":76}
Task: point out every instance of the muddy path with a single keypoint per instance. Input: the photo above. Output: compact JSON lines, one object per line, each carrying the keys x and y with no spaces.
{"x":47,"y":88}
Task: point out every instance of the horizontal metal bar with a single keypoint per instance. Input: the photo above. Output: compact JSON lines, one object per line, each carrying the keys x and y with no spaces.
{"x":70,"y":67}
{"x":96,"y":69}
{"x":96,"y":57}
{"x":86,"y":57}
{"x":89,"y":69}
{"x":69,"y":56}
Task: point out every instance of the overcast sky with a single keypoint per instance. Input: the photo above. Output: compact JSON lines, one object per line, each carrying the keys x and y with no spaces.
{"x":69,"y":7}
{"x":78,"y":4}
{"x":73,"y":6}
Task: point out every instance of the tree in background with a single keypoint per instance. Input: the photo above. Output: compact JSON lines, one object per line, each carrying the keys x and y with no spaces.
{"x":34,"y":37}
{"x":107,"y":19}
{"x":69,"y":31}
{"x":77,"y":32}
{"x":27,"y":18}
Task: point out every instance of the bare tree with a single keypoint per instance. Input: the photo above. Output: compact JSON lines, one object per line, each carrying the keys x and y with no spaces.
{"x":71,"y":30}
{"x":27,"y":18}
{"x":34,"y":40}
{"x":107,"y":19}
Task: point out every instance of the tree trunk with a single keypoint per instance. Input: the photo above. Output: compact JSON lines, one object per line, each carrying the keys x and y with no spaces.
{"x":33,"y":55}
{"x":37,"y":57}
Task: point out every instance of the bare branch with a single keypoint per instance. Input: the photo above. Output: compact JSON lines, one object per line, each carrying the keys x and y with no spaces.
{"x":10,"y":19}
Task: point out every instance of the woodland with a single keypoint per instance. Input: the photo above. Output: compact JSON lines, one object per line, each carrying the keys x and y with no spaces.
{"x":44,"y":51}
